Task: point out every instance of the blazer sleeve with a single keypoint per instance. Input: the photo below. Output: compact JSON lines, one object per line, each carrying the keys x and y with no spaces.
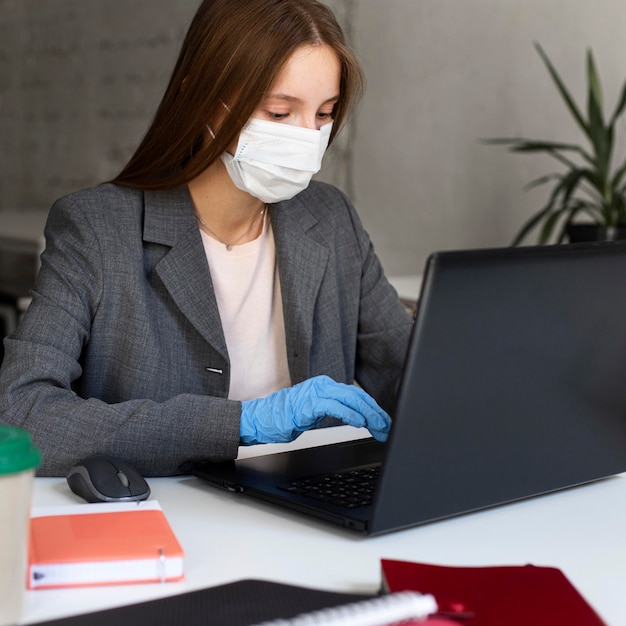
{"x":384,"y":327}
{"x":43,"y":360}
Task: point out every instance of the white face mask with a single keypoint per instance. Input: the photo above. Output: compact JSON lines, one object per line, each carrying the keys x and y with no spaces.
{"x":274,"y":161}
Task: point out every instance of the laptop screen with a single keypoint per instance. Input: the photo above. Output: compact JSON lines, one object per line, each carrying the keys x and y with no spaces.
{"x":515,"y":382}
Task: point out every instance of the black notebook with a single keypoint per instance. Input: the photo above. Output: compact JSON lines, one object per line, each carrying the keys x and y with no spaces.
{"x":513,"y":387}
{"x":241,"y":603}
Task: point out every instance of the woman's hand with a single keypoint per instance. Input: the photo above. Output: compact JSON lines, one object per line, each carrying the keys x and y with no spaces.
{"x":283,"y":415}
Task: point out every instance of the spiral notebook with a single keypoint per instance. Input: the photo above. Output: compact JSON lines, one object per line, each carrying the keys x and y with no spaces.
{"x":247,"y":602}
{"x":513,"y":387}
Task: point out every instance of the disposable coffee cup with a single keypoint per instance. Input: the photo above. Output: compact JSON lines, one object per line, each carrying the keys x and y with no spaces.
{"x":18,"y":460}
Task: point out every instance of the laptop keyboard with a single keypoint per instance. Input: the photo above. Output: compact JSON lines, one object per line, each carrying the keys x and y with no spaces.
{"x":350,"y":489}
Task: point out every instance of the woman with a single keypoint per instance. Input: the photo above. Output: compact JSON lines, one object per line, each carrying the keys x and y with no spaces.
{"x":210,"y":296}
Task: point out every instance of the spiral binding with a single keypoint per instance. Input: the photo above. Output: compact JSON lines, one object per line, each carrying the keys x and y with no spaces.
{"x":381,"y":611}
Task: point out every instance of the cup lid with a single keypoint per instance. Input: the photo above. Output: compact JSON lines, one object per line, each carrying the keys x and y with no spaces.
{"x":17,"y":453}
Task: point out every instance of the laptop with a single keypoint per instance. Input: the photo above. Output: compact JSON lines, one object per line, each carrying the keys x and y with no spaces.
{"x":514,"y":386}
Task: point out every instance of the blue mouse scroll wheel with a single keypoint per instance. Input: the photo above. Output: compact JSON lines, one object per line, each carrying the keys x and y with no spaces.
{"x":123,"y":479}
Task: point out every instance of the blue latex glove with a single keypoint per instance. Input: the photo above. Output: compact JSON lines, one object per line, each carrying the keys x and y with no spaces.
{"x":283,"y":415}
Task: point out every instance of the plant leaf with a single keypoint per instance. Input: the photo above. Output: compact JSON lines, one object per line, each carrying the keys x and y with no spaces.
{"x":542,"y":180}
{"x":571,"y":165}
{"x":594,"y":94}
{"x":571,"y":105}
{"x":543,"y":146}
{"x":549,"y":225}
{"x":539,"y":216}
{"x":531,"y":144}
{"x":601,"y":137}
{"x":578,"y":208}
{"x":549,"y":215}
{"x":551,"y":147}
{"x":617,"y":177}
{"x":620,"y":106}
{"x":530,"y":225}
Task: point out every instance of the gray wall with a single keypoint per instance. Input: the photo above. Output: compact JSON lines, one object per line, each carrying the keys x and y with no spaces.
{"x":80,"y":79}
{"x":79,"y":82}
{"x":442,"y":75}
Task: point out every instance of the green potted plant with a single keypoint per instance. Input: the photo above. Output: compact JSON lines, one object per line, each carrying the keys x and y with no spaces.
{"x":589,"y":187}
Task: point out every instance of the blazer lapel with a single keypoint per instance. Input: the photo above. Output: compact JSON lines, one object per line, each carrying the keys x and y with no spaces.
{"x":183,"y":269}
{"x":170,"y":221}
{"x":301,"y":265}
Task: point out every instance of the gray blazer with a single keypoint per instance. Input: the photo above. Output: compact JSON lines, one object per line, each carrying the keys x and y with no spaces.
{"x":122,"y":349}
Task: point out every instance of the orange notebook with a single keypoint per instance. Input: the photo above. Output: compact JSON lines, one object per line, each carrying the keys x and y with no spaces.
{"x":102,"y":544}
{"x":520,"y":595}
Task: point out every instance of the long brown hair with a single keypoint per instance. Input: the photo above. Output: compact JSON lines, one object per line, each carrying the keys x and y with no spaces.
{"x":232,"y":53}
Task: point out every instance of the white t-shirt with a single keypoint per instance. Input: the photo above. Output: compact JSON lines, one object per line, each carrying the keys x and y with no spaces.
{"x":247,"y":289}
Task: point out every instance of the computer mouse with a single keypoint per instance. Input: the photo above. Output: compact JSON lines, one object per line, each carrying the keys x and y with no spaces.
{"x":102,"y":478}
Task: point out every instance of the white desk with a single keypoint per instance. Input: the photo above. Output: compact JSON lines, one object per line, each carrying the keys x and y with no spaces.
{"x":228,"y":537}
